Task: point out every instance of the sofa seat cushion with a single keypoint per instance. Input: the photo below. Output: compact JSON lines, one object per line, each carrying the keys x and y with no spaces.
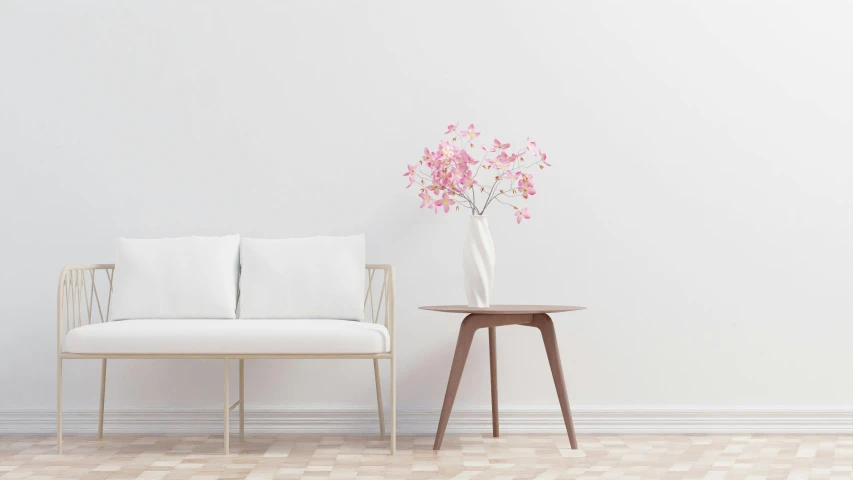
{"x":200,"y":336}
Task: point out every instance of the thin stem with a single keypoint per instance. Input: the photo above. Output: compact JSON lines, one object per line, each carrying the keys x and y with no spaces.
{"x":480,"y":164}
{"x":508,"y":204}
{"x":529,"y":165}
{"x":470,"y":202}
{"x":492,"y":191}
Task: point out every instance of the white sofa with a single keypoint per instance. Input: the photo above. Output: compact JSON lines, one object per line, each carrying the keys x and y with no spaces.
{"x":134,"y":310}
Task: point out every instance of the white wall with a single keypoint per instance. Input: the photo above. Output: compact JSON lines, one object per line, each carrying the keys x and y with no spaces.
{"x":700,"y":205}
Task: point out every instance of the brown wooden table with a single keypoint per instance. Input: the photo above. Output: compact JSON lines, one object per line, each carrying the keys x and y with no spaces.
{"x":499,"y":316}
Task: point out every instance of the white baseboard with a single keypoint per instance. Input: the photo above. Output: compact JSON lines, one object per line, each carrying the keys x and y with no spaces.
{"x":673,"y":420}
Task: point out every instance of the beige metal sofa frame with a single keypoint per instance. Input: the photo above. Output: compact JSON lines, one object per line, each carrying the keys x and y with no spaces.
{"x":78,"y":298}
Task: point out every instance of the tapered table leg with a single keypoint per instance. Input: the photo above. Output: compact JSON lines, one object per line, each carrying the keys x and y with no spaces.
{"x":493,"y":368}
{"x":463,"y":346}
{"x":549,"y":337}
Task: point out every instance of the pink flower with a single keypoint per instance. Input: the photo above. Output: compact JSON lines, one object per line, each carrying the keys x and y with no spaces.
{"x":447,"y":149}
{"x":470,"y":133}
{"x":503,"y":160}
{"x":411,"y":174}
{"x":526,"y":190}
{"x":425,"y":199}
{"x":522,"y":213}
{"x":512,"y":175}
{"x":543,"y":156}
{"x":500,"y":161}
{"x":526,"y":179}
{"x":451,"y":128}
{"x":531,"y":146}
{"x":468,"y":159}
{"x":467,"y":182}
{"x":497,"y":145}
{"x":445,"y":202}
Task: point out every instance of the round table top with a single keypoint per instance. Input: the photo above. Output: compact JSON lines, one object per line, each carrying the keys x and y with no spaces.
{"x":503,"y":309}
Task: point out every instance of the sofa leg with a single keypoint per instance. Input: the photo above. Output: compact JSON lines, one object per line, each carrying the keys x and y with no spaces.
{"x":393,"y":404}
{"x":227,"y":407}
{"x":59,"y":406}
{"x":103,"y":394}
{"x":379,"y":398}
{"x":242,"y":401}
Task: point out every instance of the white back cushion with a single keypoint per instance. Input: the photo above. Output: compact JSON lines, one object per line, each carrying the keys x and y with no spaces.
{"x":317,"y":277}
{"x":188,"y":277}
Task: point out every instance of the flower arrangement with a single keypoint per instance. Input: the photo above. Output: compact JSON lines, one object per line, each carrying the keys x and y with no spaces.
{"x":448,"y":175}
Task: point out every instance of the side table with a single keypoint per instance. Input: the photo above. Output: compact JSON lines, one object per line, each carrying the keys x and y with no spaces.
{"x":491,"y":318}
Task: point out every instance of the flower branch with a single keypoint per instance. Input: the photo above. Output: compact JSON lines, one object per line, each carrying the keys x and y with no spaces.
{"x":448,"y":175}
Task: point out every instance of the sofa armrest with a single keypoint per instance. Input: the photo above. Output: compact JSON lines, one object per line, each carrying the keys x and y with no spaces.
{"x":82,"y":298}
{"x":381,"y":284}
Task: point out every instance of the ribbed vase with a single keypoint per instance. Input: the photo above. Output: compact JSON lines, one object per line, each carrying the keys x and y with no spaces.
{"x":478,"y":262}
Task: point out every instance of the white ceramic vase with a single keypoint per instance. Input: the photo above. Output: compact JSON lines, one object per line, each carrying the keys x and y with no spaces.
{"x":478,"y":262}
